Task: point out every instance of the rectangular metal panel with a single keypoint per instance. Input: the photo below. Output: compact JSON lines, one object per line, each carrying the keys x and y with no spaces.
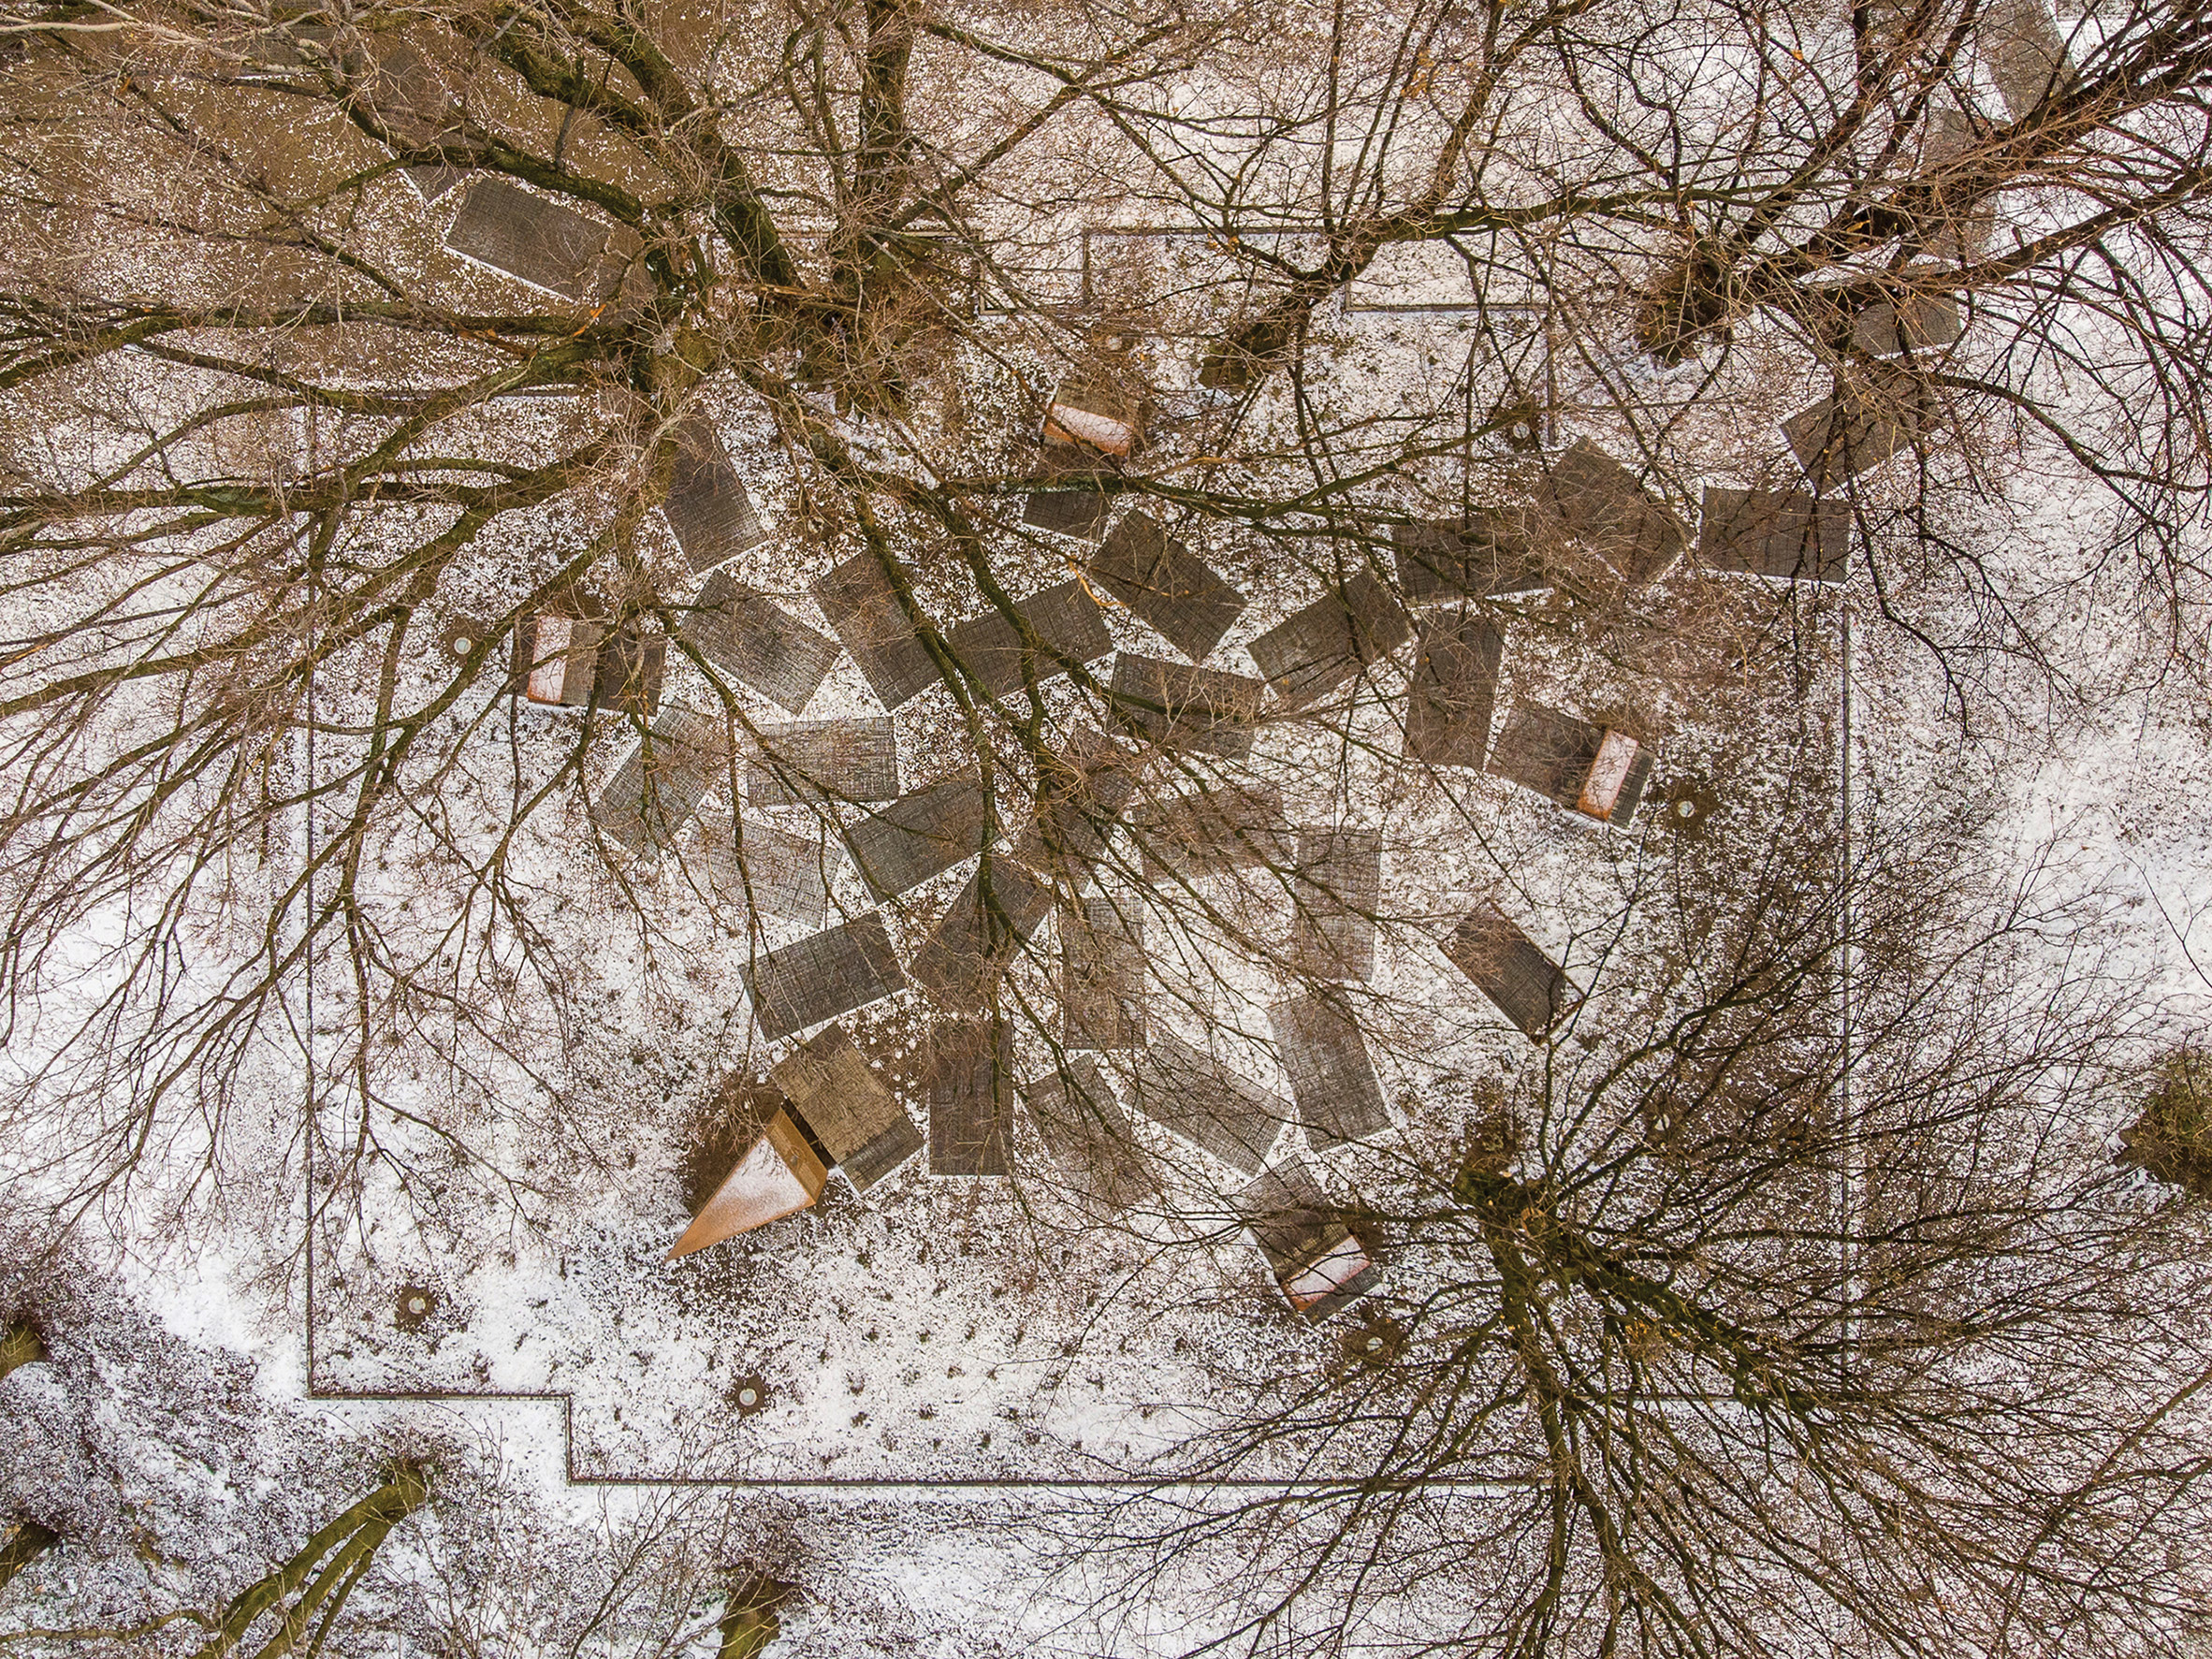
{"x":1312,"y":651}
{"x":2026,"y":51}
{"x":1167,"y":585}
{"x":1632,"y":792}
{"x":881,"y":1156}
{"x":1865,"y":421}
{"x":1089,"y":1136}
{"x":579,"y":676}
{"x":1102,"y":975}
{"x":822,"y":976}
{"x":1066,"y":622}
{"x":1332,"y":1081}
{"x":708,"y":507}
{"x":432,"y":183}
{"x":1481,"y":556}
{"x":850,"y":1108}
{"x":970,"y":1101}
{"x":525,"y":236}
{"x":1207,"y":832}
{"x":765,"y":869}
{"x":662,"y":782}
{"x":1545,"y":751}
{"x":1193,"y":1096}
{"x":811,"y":762}
{"x":1527,"y":986}
{"x":631,"y":666}
{"x":1082,"y":789}
{"x":1918,"y":322}
{"x":997,"y":909}
{"x":1784,"y":534}
{"x":758,"y":643}
{"x":862,"y":605}
{"x":1182,"y":707}
{"x":1456,"y":661}
{"x":1597,"y":501}
{"x":1078,"y":513}
{"x":1335,"y":890}
{"x":1958,"y":218}
{"x":1288,"y":1216}
{"x":905,"y":842}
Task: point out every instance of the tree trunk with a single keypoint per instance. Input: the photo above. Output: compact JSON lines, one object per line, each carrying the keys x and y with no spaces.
{"x":21,"y":1346}
{"x":318,"y":1579}
{"x":751,"y":1624}
{"x":24,"y":1546}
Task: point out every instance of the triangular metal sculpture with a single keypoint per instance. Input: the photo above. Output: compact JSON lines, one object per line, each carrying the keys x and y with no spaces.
{"x":779,"y":1175}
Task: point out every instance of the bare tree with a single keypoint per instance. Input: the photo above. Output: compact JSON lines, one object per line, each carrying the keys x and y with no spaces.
{"x":1785,"y":1293}
{"x":310,"y":1589}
